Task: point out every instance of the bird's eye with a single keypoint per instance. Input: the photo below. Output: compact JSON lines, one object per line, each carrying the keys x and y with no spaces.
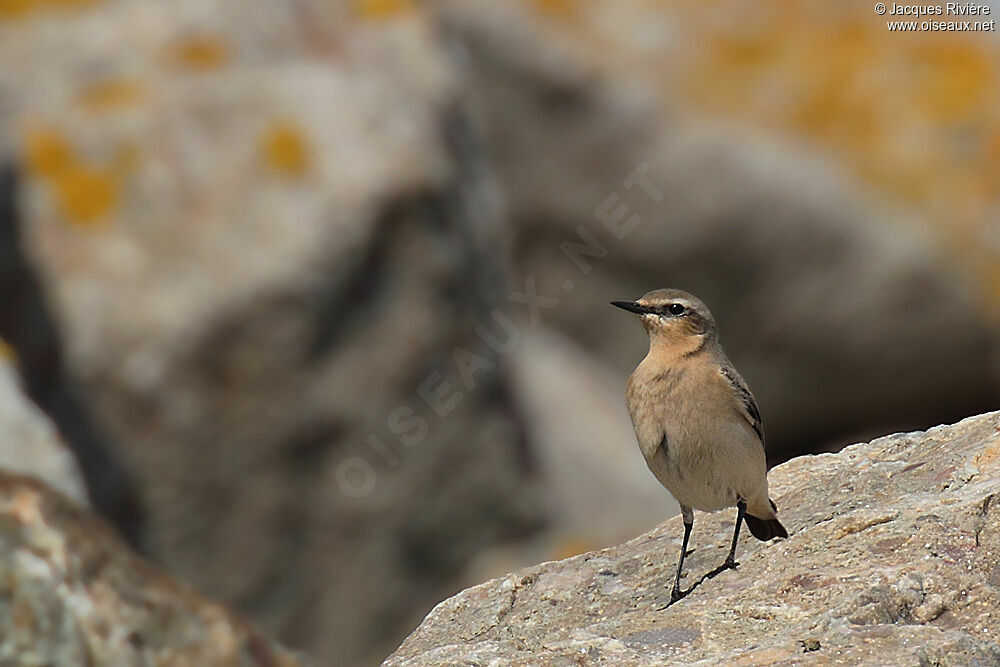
{"x":676,"y":309}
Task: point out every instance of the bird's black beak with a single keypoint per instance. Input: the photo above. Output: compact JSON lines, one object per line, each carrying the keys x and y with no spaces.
{"x":631,"y":306}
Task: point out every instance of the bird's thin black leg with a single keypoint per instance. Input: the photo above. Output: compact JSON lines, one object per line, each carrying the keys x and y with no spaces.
{"x":741,"y":510}
{"x":676,"y":594}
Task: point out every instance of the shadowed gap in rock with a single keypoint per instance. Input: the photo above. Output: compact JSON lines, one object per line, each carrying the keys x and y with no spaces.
{"x":26,"y":324}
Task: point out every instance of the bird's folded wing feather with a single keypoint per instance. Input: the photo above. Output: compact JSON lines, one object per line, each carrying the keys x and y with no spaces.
{"x":747,"y":403}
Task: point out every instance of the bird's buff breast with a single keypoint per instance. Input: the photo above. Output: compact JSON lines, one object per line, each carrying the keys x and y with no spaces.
{"x":690,"y":441}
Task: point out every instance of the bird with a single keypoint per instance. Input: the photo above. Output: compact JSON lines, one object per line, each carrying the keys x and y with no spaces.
{"x":696,"y":421}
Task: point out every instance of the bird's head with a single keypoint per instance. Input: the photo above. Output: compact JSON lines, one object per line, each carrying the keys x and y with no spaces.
{"x":672,"y":317}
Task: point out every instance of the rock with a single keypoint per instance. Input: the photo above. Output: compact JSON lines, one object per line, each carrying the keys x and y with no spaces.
{"x":267,"y":235}
{"x":27,"y":326}
{"x":29,"y":445}
{"x":893,"y":559}
{"x":811,"y":271}
{"x":73,"y":594}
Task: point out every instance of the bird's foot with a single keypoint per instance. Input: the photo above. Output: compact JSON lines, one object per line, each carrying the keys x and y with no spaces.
{"x":675,"y":595}
{"x":730,"y":564}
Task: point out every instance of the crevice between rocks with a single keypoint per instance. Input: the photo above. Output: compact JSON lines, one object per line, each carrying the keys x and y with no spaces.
{"x":27,"y":325}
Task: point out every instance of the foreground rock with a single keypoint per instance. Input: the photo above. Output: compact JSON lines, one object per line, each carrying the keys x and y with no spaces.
{"x":29,"y":444}
{"x":894,"y":559}
{"x":73,"y":594}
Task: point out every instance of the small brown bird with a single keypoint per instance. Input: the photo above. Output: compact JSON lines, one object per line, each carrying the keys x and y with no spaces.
{"x":696,"y":421}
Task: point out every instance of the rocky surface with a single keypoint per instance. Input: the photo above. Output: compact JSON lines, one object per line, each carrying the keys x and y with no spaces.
{"x":38,"y":382}
{"x":894,"y":558}
{"x":71,"y":593}
{"x":252,"y":231}
{"x":29,"y":444}
{"x":261,"y":228}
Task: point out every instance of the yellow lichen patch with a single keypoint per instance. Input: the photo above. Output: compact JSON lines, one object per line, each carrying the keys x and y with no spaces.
{"x":72,"y":4}
{"x":110,"y":95}
{"x":86,"y":195}
{"x":379,"y":9}
{"x":953,"y":78}
{"x":200,"y":53}
{"x":10,"y":9}
{"x":47,"y":152}
{"x":284,"y":149}
{"x":917,"y":117}
{"x":559,"y":7}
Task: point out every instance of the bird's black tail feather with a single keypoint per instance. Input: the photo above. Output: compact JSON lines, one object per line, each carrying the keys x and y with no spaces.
{"x":765,"y":529}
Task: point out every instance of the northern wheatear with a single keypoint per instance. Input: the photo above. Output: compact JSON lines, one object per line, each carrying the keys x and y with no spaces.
{"x":696,"y":421}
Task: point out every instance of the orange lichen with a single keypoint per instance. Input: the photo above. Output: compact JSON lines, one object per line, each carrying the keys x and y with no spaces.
{"x":10,"y":9}
{"x":200,"y":52}
{"x":72,"y":4}
{"x":6,"y":351}
{"x":916,"y":117}
{"x":559,"y":7}
{"x":953,"y":79}
{"x":14,"y":8}
{"x":284,"y":148}
{"x":47,"y":152}
{"x":383,"y":8}
{"x":86,"y":194}
{"x":112,"y":94}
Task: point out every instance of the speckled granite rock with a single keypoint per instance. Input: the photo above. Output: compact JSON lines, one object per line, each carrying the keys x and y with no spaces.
{"x":71,"y":593}
{"x":894,"y":559}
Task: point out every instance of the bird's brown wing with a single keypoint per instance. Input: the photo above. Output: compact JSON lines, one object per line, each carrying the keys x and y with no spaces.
{"x":750,"y":410}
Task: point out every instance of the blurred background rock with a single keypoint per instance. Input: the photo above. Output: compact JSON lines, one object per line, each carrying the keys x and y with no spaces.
{"x":262,"y":236}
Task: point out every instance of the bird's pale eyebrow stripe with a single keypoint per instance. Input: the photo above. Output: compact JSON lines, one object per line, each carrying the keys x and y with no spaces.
{"x":749,"y":404}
